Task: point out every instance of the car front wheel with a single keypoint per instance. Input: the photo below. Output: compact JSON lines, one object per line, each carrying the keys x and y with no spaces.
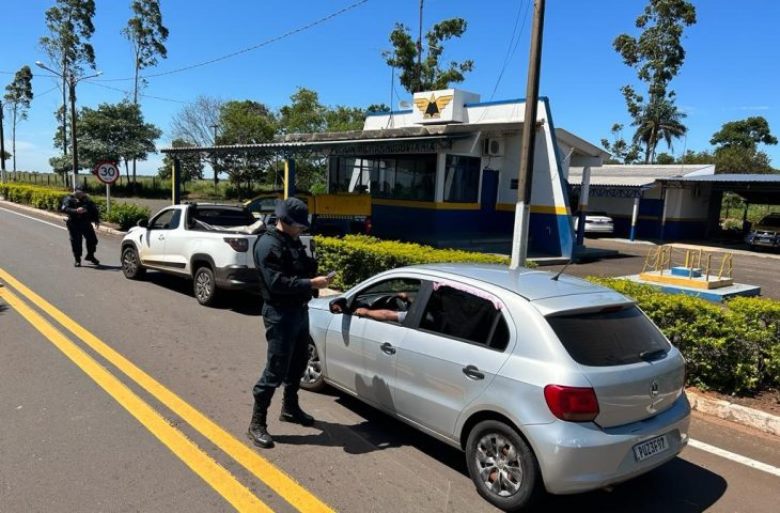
{"x":205,"y":286}
{"x":312,"y":376}
{"x":502,"y":466}
{"x":131,"y":264}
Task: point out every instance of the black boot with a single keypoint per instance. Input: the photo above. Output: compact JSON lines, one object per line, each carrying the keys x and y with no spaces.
{"x":292,"y":412}
{"x":91,"y":258}
{"x":258,"y":428}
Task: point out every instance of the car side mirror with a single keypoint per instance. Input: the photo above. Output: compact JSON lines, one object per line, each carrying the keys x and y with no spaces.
{"x":338,"y":305}
{"x":143,"y":223}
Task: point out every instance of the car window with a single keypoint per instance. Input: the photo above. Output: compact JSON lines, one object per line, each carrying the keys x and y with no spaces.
{"x":167,"y":220}
{"x":465,"y":316}
{"x":609,"y":337}
{"x":772,"y":220}
{"x":397,"y":294}
{"x":264,"y":205}
{"x":223,"y":216}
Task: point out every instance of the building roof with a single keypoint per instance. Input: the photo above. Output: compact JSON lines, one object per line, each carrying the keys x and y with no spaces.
{"x":621,"y":175}
{"x":580,"y":145}
{"x":727,"y":178}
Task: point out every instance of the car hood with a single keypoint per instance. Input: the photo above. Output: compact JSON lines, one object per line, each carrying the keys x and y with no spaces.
{"x":766,"y":228}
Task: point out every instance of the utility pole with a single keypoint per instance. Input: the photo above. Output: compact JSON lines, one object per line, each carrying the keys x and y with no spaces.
{"x":528,"y":143}
{"x":419,"y":52}
{"x":72,"y":94}
{"x":2,"y":146}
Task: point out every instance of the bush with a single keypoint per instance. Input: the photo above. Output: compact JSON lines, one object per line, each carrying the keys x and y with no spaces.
{"x":123,"y":214}
{"x":358,"y":257}
{"x":732,"y":348}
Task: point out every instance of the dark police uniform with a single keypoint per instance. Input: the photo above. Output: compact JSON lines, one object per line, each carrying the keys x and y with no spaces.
{"x":285,"y":283}
{"x":80,"y":225}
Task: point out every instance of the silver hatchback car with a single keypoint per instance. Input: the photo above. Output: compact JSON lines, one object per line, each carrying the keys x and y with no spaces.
{"x":546,"y":383}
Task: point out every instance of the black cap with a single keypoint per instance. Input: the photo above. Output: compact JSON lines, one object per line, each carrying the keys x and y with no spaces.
{"x":293,"y":211}
{"x":80,"y":188}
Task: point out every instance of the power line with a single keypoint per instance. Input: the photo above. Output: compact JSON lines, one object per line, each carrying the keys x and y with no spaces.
{"x":249,"y":49}
{"x":104,"y":86}
{"x":512,"y":41}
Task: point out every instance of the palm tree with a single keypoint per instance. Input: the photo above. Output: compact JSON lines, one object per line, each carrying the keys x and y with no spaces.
{"x":659,"y":119}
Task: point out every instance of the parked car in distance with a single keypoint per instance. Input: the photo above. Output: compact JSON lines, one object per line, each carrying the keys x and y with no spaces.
{"x":595,"y":223}
{"x":766,"y":233}
{"x":546,"y":383}
{"x":210,"y":244}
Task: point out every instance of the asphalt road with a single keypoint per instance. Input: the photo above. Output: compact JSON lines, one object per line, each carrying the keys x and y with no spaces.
{"x":75,"y":435}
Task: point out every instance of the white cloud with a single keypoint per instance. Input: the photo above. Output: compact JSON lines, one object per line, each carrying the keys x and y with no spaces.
{"x":753,"y":107}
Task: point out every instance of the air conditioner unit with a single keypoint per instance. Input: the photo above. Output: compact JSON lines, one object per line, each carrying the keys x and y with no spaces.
{"x":493,"y":147}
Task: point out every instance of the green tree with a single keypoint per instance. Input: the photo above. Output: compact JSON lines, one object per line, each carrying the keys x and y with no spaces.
{"x":245,"y":122}
{"x":737,"y":146}
{"x":664,"y":159}
{"x":304,"y":114}
{"x":191,"y":163}
{"x":115,"y":132}
{"x":701,"y":157}
{"x":421,"y":71}
{"x":746,"y":133}
{"x":17,"y":98}
{"x":658,"y":120}
{"x":147,"y":34}
{"x":343,"y":119}
{"x":69,"y":23}
{"x":657,"y":55}
{"x":621,"y":151}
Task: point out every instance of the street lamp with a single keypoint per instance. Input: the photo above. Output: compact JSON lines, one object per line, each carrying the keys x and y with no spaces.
{"x":72,"y":81}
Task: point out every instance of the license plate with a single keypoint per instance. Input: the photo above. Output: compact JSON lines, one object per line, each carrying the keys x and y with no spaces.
{"x":651,"y":448}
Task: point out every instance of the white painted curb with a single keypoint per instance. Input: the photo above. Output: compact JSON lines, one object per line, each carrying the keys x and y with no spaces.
{"x":762,"y":421}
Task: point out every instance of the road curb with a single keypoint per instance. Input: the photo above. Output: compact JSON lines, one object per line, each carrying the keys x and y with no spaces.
{"x":762,"y":421}
{"x":51,"y":215}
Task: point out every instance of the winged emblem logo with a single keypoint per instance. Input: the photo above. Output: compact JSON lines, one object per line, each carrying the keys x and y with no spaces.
{"x":431,"y":107}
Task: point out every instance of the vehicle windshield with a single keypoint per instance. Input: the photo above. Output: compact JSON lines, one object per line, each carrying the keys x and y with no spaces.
{"x":610,"y":337}
{"x":773,"y":220}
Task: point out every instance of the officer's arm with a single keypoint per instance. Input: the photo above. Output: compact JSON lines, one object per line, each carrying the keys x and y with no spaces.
{"x":269,"y":260}
{"x":67,"y":208}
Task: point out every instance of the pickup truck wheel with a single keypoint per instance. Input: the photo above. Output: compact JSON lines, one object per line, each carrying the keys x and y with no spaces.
{"x":312,"y":376}
{"x":131,"y":264}
{"x":205,"y":286}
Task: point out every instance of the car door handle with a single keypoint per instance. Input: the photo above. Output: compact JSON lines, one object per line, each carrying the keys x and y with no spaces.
{"x":161,"y":237}
{"x":387,"y":348}
{"x":472,"y":372}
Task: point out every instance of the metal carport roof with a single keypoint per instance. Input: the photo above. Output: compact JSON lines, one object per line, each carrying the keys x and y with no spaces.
{"x":754,"y":188}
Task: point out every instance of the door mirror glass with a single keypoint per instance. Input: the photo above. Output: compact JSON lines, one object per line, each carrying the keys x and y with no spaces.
{"x":338,"y":305}
{"x":143,"y":223}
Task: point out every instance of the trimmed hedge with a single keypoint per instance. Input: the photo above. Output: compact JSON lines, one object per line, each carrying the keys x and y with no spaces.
{"x":732,"y":348}
{"x":358,"y":257}
{"x":123,"y":214}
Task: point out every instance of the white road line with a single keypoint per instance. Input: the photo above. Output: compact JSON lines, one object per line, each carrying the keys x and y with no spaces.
{"x":769,"y":469}
{"x":60,"y":227}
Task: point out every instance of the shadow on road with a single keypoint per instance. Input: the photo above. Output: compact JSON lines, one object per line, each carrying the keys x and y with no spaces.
{"x":676,"y":487}
{"x":239,"y":302}
{"x":103,"y":267}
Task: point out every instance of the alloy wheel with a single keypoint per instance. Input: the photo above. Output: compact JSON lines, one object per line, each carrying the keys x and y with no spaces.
{"x":499,"y":466}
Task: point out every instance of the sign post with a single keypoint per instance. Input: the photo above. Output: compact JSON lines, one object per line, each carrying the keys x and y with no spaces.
{"x":107,"y":172}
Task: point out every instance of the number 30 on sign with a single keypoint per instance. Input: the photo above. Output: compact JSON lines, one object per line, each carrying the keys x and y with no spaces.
{"x":106,"y":171}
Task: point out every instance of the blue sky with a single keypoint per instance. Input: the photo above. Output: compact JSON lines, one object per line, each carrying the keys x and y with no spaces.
{"x":731,"y":71}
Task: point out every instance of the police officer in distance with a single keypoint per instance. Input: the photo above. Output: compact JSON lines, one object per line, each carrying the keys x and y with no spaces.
{"x":287,"y":283}
{"x":82,"y":212}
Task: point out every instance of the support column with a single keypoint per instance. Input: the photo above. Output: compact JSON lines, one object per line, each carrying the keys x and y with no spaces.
{"x":634,"y":217}
{"x":583,"y":207}
{"x":665,"y":199}
{"x":176,"y":181}
{"x":289,"y":177}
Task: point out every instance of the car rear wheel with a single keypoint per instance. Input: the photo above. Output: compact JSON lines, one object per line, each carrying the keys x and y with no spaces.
{"x":502,"y":466}
{"x":205,"y":286}
{"x":131,"y":264}
{"x":312,"y":376}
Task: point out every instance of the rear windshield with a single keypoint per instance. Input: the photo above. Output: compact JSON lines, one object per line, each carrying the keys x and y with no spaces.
{"x":772,"y":220}
{"x":223,"y":216}
{"x":610,"y":337}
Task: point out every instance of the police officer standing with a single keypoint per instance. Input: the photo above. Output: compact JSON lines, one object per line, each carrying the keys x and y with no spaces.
{"x":287,"y":283}
{"x":82,"y":212}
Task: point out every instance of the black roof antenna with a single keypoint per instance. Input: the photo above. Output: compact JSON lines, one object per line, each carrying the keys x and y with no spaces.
{"x":555,"y":278}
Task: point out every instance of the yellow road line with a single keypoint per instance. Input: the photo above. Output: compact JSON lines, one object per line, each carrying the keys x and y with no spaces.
{"x":273,"y":477}
{"x":200,"y":463}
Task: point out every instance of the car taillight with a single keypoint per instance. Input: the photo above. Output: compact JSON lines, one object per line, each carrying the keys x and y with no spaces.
{"x":367,"y":226}
{"x":240,"y":245}
{"x":573,"y":404}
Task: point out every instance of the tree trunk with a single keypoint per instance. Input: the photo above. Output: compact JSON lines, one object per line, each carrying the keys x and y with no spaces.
{"x":13,"y":138}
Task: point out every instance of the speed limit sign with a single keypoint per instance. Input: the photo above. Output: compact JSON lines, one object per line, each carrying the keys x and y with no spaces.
{"x":106,"y":171}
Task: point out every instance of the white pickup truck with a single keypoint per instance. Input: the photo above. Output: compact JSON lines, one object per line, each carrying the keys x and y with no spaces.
{"x":209,"y":243}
